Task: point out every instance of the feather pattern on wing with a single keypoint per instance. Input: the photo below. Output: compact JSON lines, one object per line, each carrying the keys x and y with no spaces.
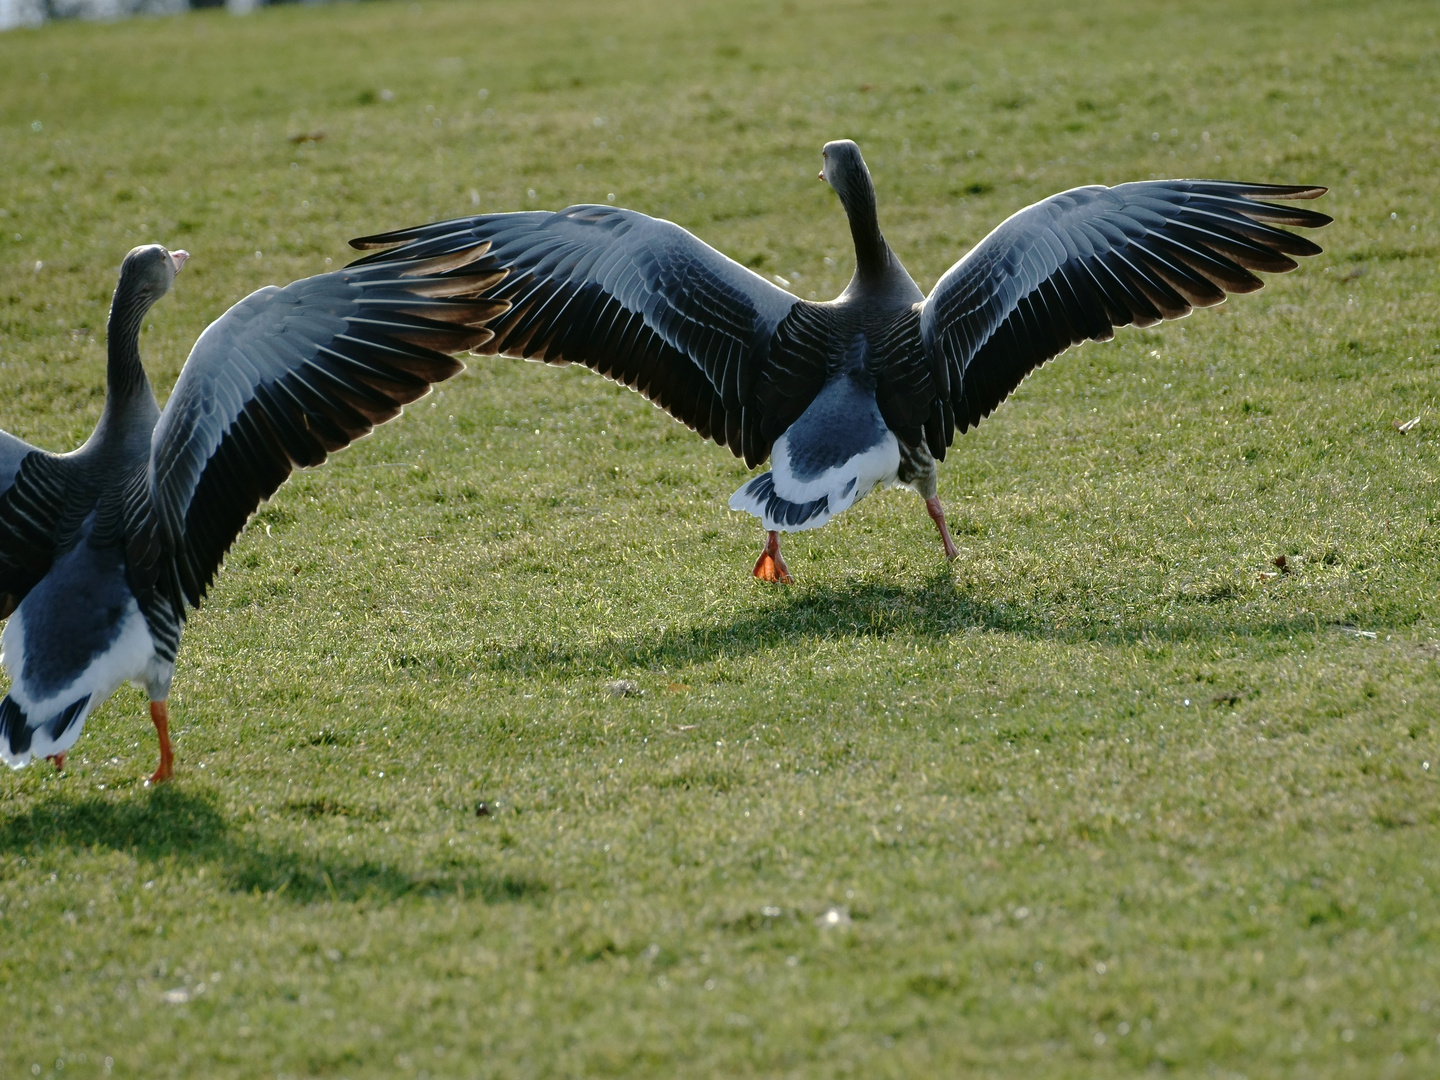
{"x":1078,"y":264}
{"x":286,"y":377}
{"x":32,"y":512}
{"x":636,"y":298}
{"x":13,"y":451}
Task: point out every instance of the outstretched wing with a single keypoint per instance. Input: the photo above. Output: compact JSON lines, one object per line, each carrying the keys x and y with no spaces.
{"x":287,"y":376}
{"x":638,"y":299}
{"x":13,"y":451}
{"x":1083,"y":262}
{"x":33,"y":484}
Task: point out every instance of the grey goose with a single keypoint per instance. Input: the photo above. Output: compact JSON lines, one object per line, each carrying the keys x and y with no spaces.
{"x":871,"y":387}
{"x":102,"y":549}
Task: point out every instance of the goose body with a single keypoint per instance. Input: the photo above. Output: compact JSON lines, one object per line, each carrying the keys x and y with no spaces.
{"x":103,"y":549}
{"x":868,"y":389}
{"x":833,"y":455}
{"x":74,"y":639}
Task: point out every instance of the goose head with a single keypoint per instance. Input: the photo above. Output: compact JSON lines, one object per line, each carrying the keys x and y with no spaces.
{"x":844,"y":170}
{"x":877,"y":271}
{"x":147,"y":274}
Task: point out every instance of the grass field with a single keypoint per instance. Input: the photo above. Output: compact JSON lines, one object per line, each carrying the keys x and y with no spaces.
{"x":1108,"y":796}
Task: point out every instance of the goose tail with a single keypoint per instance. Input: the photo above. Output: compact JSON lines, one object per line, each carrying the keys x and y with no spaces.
{"x":779,"y":514}
{"x":23,"y":738}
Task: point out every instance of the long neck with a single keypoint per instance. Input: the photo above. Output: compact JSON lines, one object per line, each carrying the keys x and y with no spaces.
{"x":872,"y":254}
{"x":125,"y":377}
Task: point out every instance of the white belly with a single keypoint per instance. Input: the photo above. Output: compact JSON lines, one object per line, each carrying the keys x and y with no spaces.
{"x":130,"y":657}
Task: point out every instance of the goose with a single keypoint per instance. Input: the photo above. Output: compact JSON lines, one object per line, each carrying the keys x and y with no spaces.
{"x":101,"y":549}
{"x":867,"y":389}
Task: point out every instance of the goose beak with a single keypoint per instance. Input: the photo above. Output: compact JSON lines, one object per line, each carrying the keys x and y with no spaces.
{"x":820,"y":175}
{"x":178,"y":258}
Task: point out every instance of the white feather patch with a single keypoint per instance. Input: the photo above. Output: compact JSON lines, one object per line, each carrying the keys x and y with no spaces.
{"x":786,"y":504}
{"x":756,"y":498}
{"x":846,"y":483}
{"x":833,"y":455}
{"x":130,"y":658}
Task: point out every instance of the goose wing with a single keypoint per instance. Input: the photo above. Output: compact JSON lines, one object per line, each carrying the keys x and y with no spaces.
{"x":636,"y":298}
{"x":13,"y":452}
{"x":33,"y":484}
{"x":1083,"y":262}
{"x":286,"y":377}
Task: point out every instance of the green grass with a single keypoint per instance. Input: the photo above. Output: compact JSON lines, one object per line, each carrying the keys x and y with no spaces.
{"x":1099,"y":799}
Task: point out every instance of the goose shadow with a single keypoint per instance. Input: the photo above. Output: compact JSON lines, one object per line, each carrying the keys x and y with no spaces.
{"x":801,"y":616}
{"x":171,"y":825}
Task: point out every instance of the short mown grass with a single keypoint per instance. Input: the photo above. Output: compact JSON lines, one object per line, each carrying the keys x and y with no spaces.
{"x":1110,"y":795}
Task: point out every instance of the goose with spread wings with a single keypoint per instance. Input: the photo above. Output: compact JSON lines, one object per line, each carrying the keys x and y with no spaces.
{"x":102,"y":549}
{"x":870,"y":388}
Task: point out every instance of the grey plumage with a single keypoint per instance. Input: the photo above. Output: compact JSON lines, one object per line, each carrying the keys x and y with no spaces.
{"x":839,"y":423}
{"x":638,"y":299}
{"x":12,"y":453}
{"x":740,"y":360}
{"x":103,"y":549}
{"x":1083,"y":262}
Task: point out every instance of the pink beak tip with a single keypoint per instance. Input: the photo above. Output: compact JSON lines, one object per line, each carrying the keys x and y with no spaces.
{"x":178,"y":258}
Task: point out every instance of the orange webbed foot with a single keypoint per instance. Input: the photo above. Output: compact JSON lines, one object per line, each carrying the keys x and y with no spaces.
{"x":771,"y":569}
{"x":770,"y":566}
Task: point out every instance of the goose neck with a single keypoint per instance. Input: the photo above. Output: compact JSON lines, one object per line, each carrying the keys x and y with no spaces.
{"x":124,"y":374}
{"x":872,"y":253}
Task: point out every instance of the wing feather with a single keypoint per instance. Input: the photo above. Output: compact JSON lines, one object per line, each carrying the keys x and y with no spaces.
{"x":635,"y":298}
{"x":32,"y":513}
{"x":1080,"y":263}
{"x":288,"y":376}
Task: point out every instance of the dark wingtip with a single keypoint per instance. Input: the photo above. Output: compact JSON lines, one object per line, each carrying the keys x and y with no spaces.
{"x":1296,"y":216}
{"x":1284,"y":191}
{"x":1251,"y":190}
{"x":1257,"y":194}
{"x":390,"y":238}
{"x":395,"y":237}
{"x":1305,"y":246}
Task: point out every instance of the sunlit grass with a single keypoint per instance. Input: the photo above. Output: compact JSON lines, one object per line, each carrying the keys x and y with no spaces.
{"x":1109,"y":795}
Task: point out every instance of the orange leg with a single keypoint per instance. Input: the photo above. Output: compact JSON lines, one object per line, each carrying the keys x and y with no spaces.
{"x":770,"y":566}
{"x":160,"y":715}
{"x":933,"y":505}
{"x":59,"y":760}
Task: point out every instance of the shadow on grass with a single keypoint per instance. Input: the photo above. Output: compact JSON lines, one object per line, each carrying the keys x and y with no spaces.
{"x":169,"y":824}
{"x":800,"y":616}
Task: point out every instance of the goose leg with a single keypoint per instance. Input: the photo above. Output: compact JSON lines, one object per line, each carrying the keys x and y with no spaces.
{"x":917,"y":471}
{"x":160,"y":715}
{"x":59,"y":760}
{"x":770,"y":566}
{"x":933,"y":505}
